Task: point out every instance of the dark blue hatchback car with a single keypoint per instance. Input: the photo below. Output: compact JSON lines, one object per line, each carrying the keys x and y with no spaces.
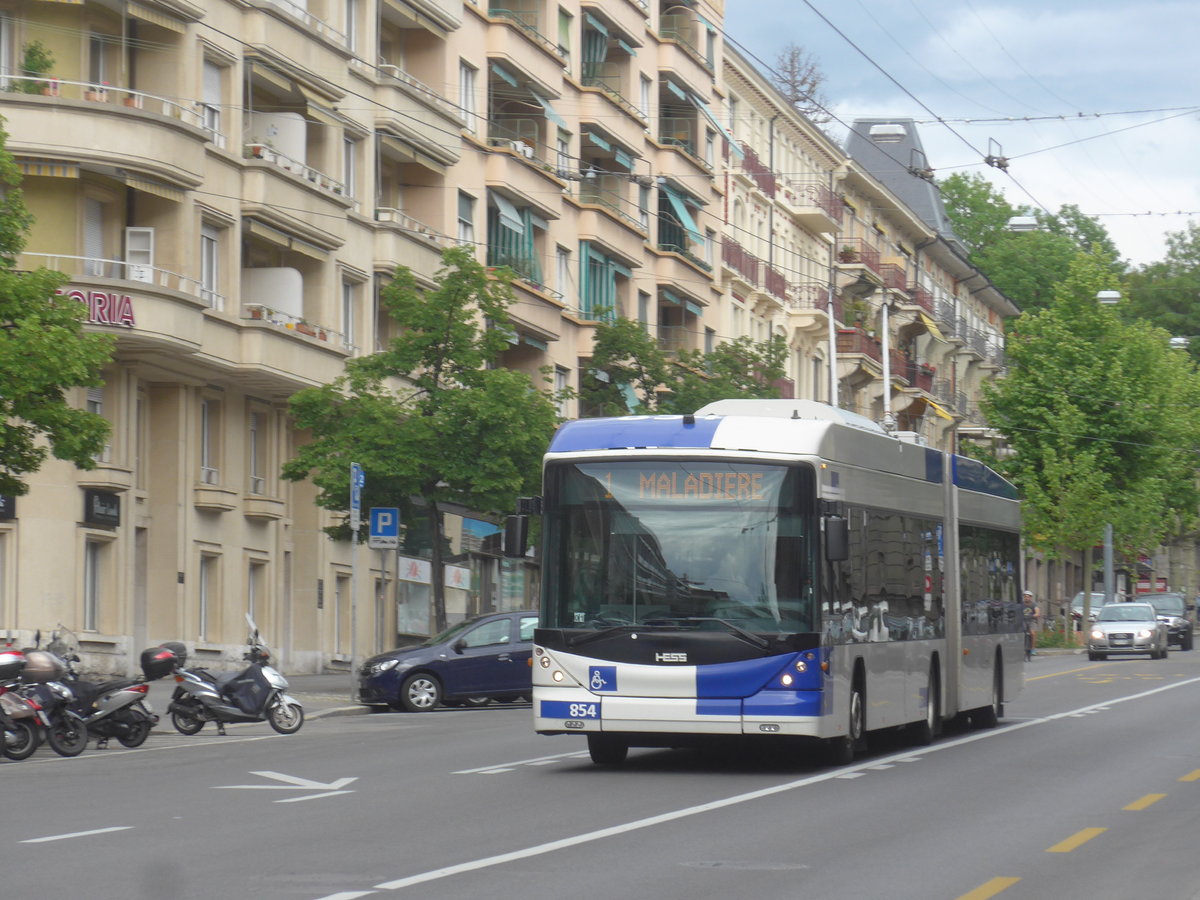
{"x":482,"y":659}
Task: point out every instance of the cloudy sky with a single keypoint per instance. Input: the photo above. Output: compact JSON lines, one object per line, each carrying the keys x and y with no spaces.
{"x":1024,"y":79}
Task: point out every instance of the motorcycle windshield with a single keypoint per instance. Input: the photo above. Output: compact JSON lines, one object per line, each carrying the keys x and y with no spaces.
{"x":248,"y":692}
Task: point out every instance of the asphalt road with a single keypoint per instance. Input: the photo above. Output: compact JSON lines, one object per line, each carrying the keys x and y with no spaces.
{"x":1089,"y":789}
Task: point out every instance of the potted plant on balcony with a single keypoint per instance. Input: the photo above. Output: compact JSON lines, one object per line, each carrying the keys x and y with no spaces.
{"x":36,"y":61}
{"x":848,"y":254}
{"x":97,"y":93}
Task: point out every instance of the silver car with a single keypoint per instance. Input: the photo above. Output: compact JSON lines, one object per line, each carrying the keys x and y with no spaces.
{"x":1127,"y":628}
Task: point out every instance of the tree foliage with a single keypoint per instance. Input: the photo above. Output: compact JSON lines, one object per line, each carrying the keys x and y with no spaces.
{"x":431,"y":419}
{"x":630,"y":373}
{"x":1024,"y":266}
{"x":1167,"y":292}
{"x":798,"y":77}
{"x":1096,"y":412}
{"x":44,"y":351}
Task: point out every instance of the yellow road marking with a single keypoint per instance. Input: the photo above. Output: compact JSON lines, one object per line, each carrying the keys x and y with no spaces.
{"x":989,"y":889}
{"x":1148,"y":800}
{"x":1191,"y":776}
{"x":1068,"y":672}
{"x":1076,"y":840}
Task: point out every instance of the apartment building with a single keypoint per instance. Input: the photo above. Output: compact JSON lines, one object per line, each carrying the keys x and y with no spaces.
{"x":850,"y":248}
{"x":228,"y":185}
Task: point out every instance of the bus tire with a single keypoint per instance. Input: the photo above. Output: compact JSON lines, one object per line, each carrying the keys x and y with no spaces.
{"x":989,"y":716}
{"x":607,"y":749}
{"x":927,"y":729}
{"x":842,"y":748}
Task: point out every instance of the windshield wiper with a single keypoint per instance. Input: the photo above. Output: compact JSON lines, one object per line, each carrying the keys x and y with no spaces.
{"x":600,"y":635}
{"x":752,"y":639}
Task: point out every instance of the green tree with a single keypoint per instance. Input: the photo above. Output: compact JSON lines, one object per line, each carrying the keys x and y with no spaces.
{"x":1167,"y":292}
{"x":432,"y":419}
{"x":630,"y":373}
{"x":44,"y":351}
{"x":1097,"y":415}
{"x":741,"y":368}
{"x":627,"y":364}
{"x":1024,"y":266}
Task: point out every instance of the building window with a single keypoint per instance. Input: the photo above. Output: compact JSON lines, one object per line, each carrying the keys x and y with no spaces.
{"x":95,"y":405}
{"x":210,"y":267}
{"x":352,"y":25}
{"x":349,"y":166}
{"x":644,"y":207}
{"x":206,"y":595}
{"x":341,"y":614}
{"x":349,"y":314}
{"x":710,"y":147}
{"x":563,"y":276}
{"x":210,"y":441}
{"x":562,"y":380}
{"x":97,"y":68}
{"x":643,"y":310}
{"x":710,"y":241}
{"x":466,"y":94}
{"x":710,"y":340}
{"x":256,"y":452}
{"x":212,"y":102}
{"x":466,"y":218}
{"x":93,"y":571}
{"x":647,"y":85}
{"x":256,"y":588}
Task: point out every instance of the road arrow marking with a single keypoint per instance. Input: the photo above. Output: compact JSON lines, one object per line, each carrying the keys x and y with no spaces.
{"x":292,"y":784}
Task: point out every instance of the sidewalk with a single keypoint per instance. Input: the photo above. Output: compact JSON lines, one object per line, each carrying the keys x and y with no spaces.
{"x":320,"y":695}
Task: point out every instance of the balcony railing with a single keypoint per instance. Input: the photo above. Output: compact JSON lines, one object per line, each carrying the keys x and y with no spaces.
{"x":320,"y":26}
{"x":613,"y":203}
{"x":93,"y":267}
{"x":808,"y":194}
{"x":856,"y":251}
{"x":260,"y":312}
{"x":407,"y":223}
{"x":528,"y":21}
{"x":893,"y":276}
{"x":679,"y":28}
{"x":105,"y":93}
{"x":740,"y":260}
{"x":921,"y":297}
{"x":423,"y":90}
{"x":611,"y":86}
{"x":763,"y":176}
{"x":851,"y":340}
{"x":672,"y":338}
{"x":308,"y":173}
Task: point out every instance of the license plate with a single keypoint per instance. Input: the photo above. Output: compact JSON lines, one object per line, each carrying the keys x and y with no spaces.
{"x":568,"y":709}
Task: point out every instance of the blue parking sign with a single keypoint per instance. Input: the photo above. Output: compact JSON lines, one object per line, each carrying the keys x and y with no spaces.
{"x":384,"y":531}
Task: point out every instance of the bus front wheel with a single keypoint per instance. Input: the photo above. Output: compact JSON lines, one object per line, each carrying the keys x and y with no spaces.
{"x":842,"y":749}
{"x":607,"y":749}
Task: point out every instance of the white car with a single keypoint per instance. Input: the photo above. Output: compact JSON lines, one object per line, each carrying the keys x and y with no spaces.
{"x":1125,"y":628}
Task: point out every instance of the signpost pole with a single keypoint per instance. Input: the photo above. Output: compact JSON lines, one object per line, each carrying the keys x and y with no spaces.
{"x":357,"y":480}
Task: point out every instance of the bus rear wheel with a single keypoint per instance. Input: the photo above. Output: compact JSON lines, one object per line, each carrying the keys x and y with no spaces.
{"x":926,"y":730}
{"x":607,"y":749}
{"x":989,"y":716}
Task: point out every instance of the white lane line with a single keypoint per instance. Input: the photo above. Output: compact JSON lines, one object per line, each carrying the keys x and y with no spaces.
{"x":75,"y":834}
{"x":348,"y":895}
{"x":312,"y":796}
{"x":535,"y":761}
{"x":638,"y":824}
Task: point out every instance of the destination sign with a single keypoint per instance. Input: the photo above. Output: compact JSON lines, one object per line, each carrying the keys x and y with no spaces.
{"x":638,"y":483}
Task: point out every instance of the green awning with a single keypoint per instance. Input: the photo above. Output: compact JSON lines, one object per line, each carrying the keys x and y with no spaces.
{"x":682,"y":214}
{"x":510,"y":216}
{"x":676,"y":90}
{"x":505,"y":74}
{"x":694,"y":308}
{"x":550,"y":112}
{"x":622,"y":159}
{"x":626,"y":47}
{"x":708,"y":114}
{"x":596,"y":23}
{"x":671,"y":297}
{"x":598,"y":141}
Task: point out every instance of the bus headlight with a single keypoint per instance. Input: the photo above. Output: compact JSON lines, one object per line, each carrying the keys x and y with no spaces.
{"x":786,"y":680}
{"x":544,"y":662}
{"x":801,"y":666}
{"x":557,"y":676}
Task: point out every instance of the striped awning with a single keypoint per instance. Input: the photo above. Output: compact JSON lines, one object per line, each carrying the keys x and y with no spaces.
{"x":284,"y":240}
{"x":157,"y":188}
{"x":48,"y":168}
{"x":155,"y":17}
{"x":931,"y":327}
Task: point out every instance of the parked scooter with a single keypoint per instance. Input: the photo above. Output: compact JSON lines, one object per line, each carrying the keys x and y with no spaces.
{"x":116,"y":709}
{"x":41,"y":682}
{"x":18,"y":716}
{"x":254,"y":694}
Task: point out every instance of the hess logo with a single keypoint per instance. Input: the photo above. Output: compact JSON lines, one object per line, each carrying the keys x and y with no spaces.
{"x":670,"y":657}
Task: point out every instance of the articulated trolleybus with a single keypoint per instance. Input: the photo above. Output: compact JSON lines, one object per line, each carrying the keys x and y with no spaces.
{"x":778,"y":568}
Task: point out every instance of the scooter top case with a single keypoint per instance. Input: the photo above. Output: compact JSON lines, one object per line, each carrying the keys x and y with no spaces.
{"x":42,"y":666}
{"x":11,"y":664}
{"x":157,"y":662}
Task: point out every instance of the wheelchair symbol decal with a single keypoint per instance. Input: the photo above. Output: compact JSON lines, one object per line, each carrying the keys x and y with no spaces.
{"x":602,"y":678}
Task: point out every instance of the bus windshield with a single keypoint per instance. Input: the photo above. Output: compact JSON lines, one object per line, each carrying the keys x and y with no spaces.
{"x":669,"y":541}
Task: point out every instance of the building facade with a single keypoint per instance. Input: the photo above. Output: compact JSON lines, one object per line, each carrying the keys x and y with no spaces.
{"x":228,"y":185}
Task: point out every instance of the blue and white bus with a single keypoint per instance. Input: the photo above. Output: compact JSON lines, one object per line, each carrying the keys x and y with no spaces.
{"x":778,"y":568}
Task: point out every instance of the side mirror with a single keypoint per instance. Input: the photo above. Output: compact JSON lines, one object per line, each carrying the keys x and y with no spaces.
{"x":837,"y":538}
{"x":459,"y":646}
{"x":516,"y":536}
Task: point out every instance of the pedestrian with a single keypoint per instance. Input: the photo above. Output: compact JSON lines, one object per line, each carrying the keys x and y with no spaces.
{"x":1032,"y":616}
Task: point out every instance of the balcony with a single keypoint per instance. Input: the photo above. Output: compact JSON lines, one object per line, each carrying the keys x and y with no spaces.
{"x":315,"y":177}
{"x":741,"y":261}
{"x":852,"y":341}
{"x":306,"y":21}
{"x":921,"y":297}
{"x":856,"y":252}
{"x":893,"y":277}
{"x":762,"y":176}
{"x":812,"y":205}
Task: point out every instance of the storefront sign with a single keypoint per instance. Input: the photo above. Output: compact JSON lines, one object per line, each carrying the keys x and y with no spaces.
{"x":104,"y":307}
{"x":101,"y":508}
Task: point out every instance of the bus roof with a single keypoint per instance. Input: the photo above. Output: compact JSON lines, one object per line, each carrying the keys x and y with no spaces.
{"x":792,"y":427}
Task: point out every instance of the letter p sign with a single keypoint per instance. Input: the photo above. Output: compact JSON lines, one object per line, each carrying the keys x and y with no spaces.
{"x":385,"y":528}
